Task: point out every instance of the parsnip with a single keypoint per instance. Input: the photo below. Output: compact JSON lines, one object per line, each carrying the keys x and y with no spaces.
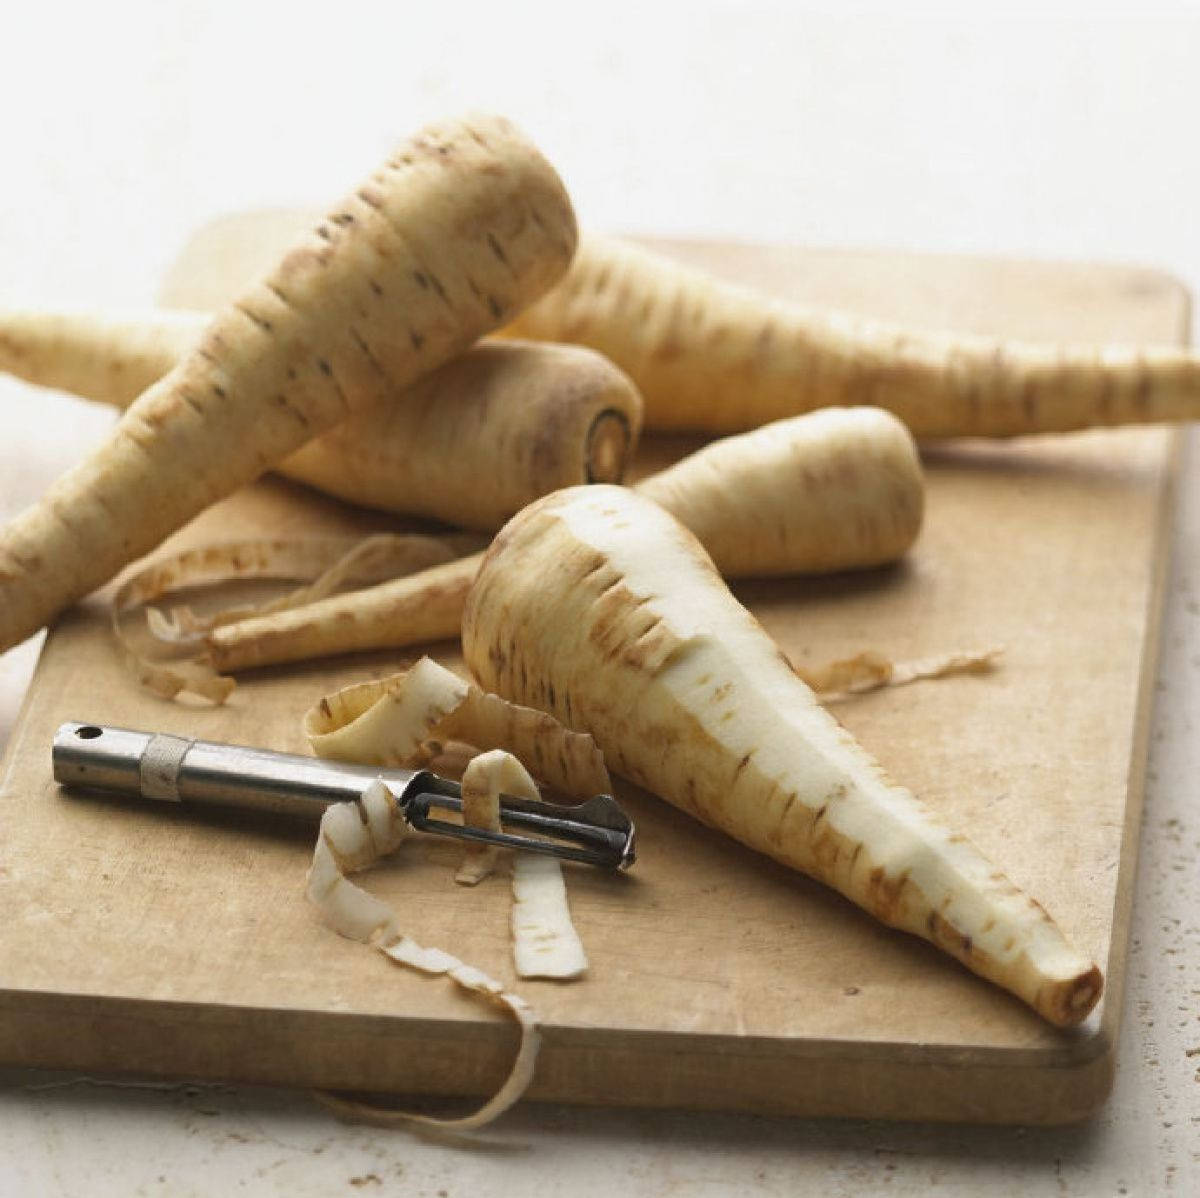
{"x":457,"y":231}
{"x":838,"y":489}
{"x":832,"y":490}
{"x":713,"y":357}
{"x":329,"y":564}
{"x":635,"y":639}
{"x":106,"y":357}
{"x":471,"y":444}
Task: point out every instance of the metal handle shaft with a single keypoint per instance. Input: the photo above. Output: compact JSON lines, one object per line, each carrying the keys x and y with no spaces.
{"x":175,"y":769}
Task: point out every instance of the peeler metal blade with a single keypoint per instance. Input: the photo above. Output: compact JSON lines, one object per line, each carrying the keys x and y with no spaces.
{"x":177,"y":769}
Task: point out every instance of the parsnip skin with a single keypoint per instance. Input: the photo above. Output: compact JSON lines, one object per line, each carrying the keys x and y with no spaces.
{"x":107,"y":358}
{"x":461,"y":228}
{"x":470,"y":445}
{"x":636,"y":640}
{"x":833,"y":490}
{"x":838,"y":489}
{"x":713,"y":357}
{"x":412,"y":610}
{"x":483,"y":436}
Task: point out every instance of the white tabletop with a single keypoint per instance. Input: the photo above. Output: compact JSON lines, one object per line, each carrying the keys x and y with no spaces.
{"x":128,"y":125}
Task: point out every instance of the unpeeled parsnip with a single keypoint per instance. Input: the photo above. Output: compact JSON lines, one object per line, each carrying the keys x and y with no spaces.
{"x":106,"y":357}
{"x":456,"y":232}
{"x":470,"y":445}
{"x":832,"y":490}
{"x":636,"y":640}
{"x":713,"y":357}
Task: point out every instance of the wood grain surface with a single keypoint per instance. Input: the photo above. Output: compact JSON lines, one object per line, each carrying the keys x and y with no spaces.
{"x":161,"y":941}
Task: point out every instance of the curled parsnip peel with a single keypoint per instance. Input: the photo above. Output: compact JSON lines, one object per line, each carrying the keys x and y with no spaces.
{"x":332,"y":563}
{"x":486,"y":778}
{"x":545,"y":943}
{"x":409,"y":719}
{"x":636,"y":640}
{"x":871,"y":670}
{"x":352,"y":837}
{"x":462,"y":227}
{"x":710,"y":356}
{"x":829,"y":491}
{"x":405,"y":720}
{"x":470,"y":445}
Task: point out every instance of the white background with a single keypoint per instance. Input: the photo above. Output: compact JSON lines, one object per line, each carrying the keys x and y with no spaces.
{"x":1058,"y":131}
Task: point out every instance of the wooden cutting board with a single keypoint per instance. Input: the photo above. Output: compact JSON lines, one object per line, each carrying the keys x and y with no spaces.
{"x":158,"y":941}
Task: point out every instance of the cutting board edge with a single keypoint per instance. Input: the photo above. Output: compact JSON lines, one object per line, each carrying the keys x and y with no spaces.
{"x":1161,"y":276}
{"x":1116,"y":965}
{"x":590,"y":1067}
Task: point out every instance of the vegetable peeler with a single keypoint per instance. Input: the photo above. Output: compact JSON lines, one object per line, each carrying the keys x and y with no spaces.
{"x":177,"y":769}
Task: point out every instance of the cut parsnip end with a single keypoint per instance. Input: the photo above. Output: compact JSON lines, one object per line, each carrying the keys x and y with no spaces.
{"x":608,"y":444}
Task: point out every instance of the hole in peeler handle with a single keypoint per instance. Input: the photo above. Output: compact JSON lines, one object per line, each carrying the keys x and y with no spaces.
{"x":88,"y":732}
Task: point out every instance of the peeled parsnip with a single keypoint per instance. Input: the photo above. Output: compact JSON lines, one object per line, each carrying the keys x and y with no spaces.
{"x":636,"y":640}
{"x":710,"y":356}
{"x":832,"y":490}
{"x":471,"y":444}
{"x":456,"y":232}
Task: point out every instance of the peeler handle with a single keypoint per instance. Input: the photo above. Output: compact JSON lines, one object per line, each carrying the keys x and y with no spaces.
{"x":177,"y":769}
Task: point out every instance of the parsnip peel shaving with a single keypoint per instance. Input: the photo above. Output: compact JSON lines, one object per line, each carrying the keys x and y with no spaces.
{"x":406,"y":718}
{"x":545,"y":943}
{"x":411,"y":719}
{"x":870,"y":671}
{"x":352,"y":837}
{"x":330,"y":564}
{"x":484,"y":780}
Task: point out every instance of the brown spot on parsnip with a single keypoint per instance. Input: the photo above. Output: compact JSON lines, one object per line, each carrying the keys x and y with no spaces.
{"x":497,"y":250}
{"x":884,"y":893}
